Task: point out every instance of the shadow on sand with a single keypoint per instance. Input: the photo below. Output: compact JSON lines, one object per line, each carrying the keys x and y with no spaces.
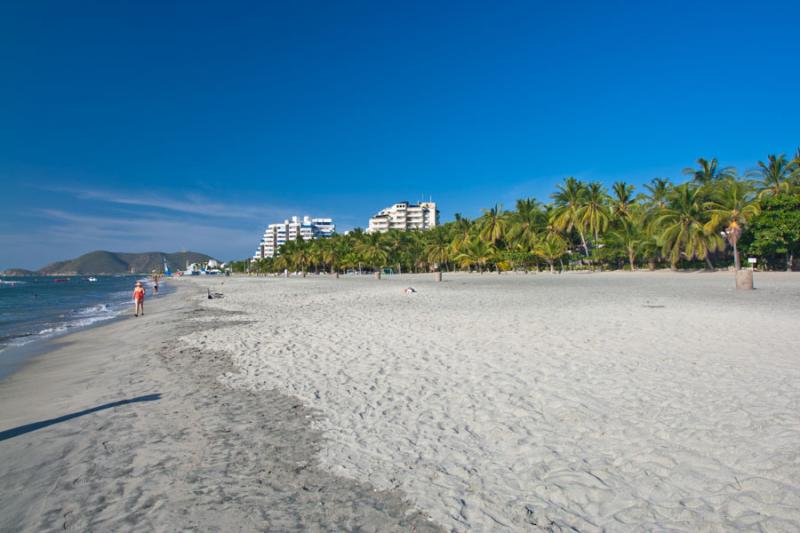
{"x":27,"y":428}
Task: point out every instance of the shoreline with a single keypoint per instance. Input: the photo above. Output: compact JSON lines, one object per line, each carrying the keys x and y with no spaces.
{"x":122,"y":426}
{"x":15,"y":357}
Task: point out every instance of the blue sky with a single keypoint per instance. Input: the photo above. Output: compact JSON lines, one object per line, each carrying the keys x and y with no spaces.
{"x":139,"y":126}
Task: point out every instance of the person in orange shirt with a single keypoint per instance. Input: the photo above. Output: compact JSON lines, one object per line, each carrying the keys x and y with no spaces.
{"x":138,"y":298}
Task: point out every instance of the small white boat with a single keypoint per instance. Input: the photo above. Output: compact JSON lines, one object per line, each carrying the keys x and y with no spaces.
{"x":92,"y":279}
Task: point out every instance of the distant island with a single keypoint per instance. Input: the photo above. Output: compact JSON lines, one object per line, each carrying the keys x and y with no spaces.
{"x":104,"y":262}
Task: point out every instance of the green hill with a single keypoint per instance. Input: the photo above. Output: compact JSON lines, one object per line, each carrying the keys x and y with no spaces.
{"x":18,"y":272}
{"x":103,"y":262}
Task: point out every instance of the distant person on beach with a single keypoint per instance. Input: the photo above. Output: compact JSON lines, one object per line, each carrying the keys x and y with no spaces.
{"x":155,"y":284}
{"x":138,"y":298}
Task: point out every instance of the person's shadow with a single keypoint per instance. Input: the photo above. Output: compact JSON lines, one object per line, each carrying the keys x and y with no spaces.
{"x":27,"y":428}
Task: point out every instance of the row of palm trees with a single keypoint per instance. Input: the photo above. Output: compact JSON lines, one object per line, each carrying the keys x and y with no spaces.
{"x":584,"y":226}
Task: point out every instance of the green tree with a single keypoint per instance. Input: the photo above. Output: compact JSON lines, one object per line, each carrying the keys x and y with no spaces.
{"x":493,"y":224}
{"x":551,"y":248}
{"x":525,"y":223}
{"x":682,"y":227}
{"x":657,"y":192}
{"x":774,"y":176}
{"x":731,"y":206}
{"x":397,"y":246}
{"x":629,"y":237}
{"x":594,"y":213}
{"x":332,"y":250}
{"x":296,"y":254}
{"x":623,"y":200}
{"x":774,"y":233}
{"x":373,"y":249}
{"x":569,"y":199}
{"x":475,"y":252}
{"x":795,"y":176}
{"x":462,"y":231}
{"x":437,"y":247}
{"x":709,"y":172}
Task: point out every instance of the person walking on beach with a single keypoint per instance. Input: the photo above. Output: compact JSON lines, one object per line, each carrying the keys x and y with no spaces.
{"x":138,"y":298}
{"x":155,"y":285}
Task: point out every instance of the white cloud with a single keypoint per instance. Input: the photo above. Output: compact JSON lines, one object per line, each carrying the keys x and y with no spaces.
{"x":192,"y":204}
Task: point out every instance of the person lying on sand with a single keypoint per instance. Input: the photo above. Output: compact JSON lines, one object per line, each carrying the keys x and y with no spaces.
{"x":138,"y":298}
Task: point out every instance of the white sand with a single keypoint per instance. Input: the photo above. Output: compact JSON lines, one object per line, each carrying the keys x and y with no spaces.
{"x":619,"y":401}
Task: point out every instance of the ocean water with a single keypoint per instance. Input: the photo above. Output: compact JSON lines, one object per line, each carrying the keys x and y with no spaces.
{"x":36,"y":308}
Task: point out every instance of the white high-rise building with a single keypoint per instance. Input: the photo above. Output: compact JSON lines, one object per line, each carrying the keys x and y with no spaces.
{"x":288,"y":230}
{"x":405,"y":216}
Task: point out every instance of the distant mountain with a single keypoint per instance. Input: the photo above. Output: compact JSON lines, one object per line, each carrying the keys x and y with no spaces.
{"x":103,"y":262}
{"x":17,"y":272}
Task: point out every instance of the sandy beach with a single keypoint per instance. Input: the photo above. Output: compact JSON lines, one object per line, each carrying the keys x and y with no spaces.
{"x":124,"y":428}
{"x":606,"y":401}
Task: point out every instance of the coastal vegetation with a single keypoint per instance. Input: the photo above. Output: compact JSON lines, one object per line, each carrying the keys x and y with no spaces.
{"x":708,"y":221}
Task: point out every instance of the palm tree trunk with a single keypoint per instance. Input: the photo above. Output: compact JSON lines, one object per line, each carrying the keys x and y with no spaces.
{"x":552,"y":267}
{"x":736,"y":261}
{"x":709,"y":264}
{"x":632,"y":260}
{"x":583,"y":242}
{"x":789,"y":261}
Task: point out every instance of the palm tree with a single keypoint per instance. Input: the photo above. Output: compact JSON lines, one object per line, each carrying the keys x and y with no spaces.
{"x":437,"y":247}
{"x":594,"y":213}
{"x":569,"y":198}
{"x":475,"y":252}
{"x":709,"y":172}
{"x":796,"y":168}
{"x":731,"y":207}
{"x":657,"y":191}
{"x":414,"y":251}
{"x":682,"y":227}
{"x":351,"y":260}
{"x":280,"y":263}
{"x":525,"y":223}
{"x":462,"y":229}
{"x":315,"y":254}
{"x":551,"y":249}
{"x":331,"y":252}
{"x":296,"y":254}
{"x":373,"y":249}
{"x":775,"y":175}
{"x":395,"y":241}
{"x":623,"y":200}
{"x":493,"y":224}
{"x":629,"y":237}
